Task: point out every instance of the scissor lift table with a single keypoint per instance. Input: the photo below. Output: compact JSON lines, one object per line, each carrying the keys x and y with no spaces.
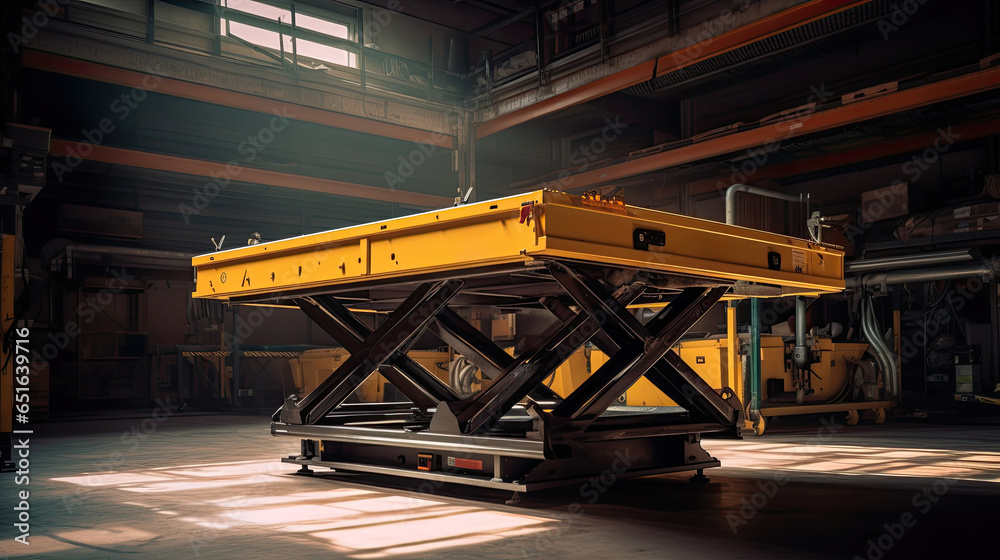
{"x":585,"y":260}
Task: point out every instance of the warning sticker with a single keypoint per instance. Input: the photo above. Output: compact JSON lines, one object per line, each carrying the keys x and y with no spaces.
{"x":460,"y":463}
{"x":799,"y":262}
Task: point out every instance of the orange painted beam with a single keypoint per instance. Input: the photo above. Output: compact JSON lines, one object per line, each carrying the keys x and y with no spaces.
{"x":713,"y":46}
{"x":920,"y":96}
{"x":754,"y":31}
{"x":598,"y":88}
{"x":961,"y":132}
{"x":213,"y":169}
{"x":871,"y":151}
{"x":228,"y":98}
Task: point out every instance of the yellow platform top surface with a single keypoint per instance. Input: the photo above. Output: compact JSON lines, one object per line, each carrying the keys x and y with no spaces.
{"x":527,"y":228}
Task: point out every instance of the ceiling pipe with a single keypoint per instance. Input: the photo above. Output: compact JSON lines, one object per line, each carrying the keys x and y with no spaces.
{"x":132,"y":251}
{"x":910,"y":261}
{"x":71,"y":253}
{"x":986,"y":270}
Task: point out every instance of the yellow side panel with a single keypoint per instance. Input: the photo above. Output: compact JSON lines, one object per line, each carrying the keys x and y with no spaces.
{"x":644,"y":393}
{"x":699,"y":248}
{"x":313,"y":367}
{"x":515,"y":229}
{"x":572,"y":372}
{"x":495,"y":241}
{"x":430,"y":360}
{"x":422,"y":243}
{"x":834,"y":367}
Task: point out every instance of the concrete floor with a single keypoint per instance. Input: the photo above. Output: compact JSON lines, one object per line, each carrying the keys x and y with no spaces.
{"x":212,"y":487}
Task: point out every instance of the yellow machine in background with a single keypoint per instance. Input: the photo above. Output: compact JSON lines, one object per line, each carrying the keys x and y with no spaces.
{"x":710,"y":358}
{"x":312,"y":367}
{"x":835,"y":384}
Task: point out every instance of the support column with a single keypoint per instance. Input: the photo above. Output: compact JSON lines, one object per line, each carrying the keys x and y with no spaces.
{"x":734,"y":379}
{"x":234,"y":356}
{"x":466,"y":140}
{"x":753,"y":407}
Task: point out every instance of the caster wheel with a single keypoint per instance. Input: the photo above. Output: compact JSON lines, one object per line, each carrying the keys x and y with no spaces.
{"x":880,"y":415}
{"x":853,"y":417}
{"x":759,"y":426}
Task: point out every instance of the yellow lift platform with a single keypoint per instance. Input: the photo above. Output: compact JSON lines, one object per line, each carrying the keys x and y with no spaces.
{"x":584,"y":259}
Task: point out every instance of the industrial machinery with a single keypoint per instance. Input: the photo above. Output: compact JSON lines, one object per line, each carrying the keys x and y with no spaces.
{"x":583,"y":260}
{"x":841,"y":377}
{"x":802,"y":373}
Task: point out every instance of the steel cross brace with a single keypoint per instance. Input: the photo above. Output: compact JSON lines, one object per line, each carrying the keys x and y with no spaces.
{"x":481,"y":351}
{"x":411,"y":378}
{"x":685,"y":395}
{"x":482,"y":411}
{"x":636,"y":352}
{"x":392,"y":337}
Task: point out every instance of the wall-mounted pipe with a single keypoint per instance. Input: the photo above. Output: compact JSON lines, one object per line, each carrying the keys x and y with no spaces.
{"x":72,"y":252}
{"x":131,"y":251}
{"x":910,"y":261}
{"x":883,"y":354}
{"x":985,"y":270}
{"x":733,"y":190}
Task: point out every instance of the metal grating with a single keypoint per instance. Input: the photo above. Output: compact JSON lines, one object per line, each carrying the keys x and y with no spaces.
{"x":813,"y":38}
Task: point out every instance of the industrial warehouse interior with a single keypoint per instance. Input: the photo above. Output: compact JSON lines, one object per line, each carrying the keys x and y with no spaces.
{"x":448,"y":279}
